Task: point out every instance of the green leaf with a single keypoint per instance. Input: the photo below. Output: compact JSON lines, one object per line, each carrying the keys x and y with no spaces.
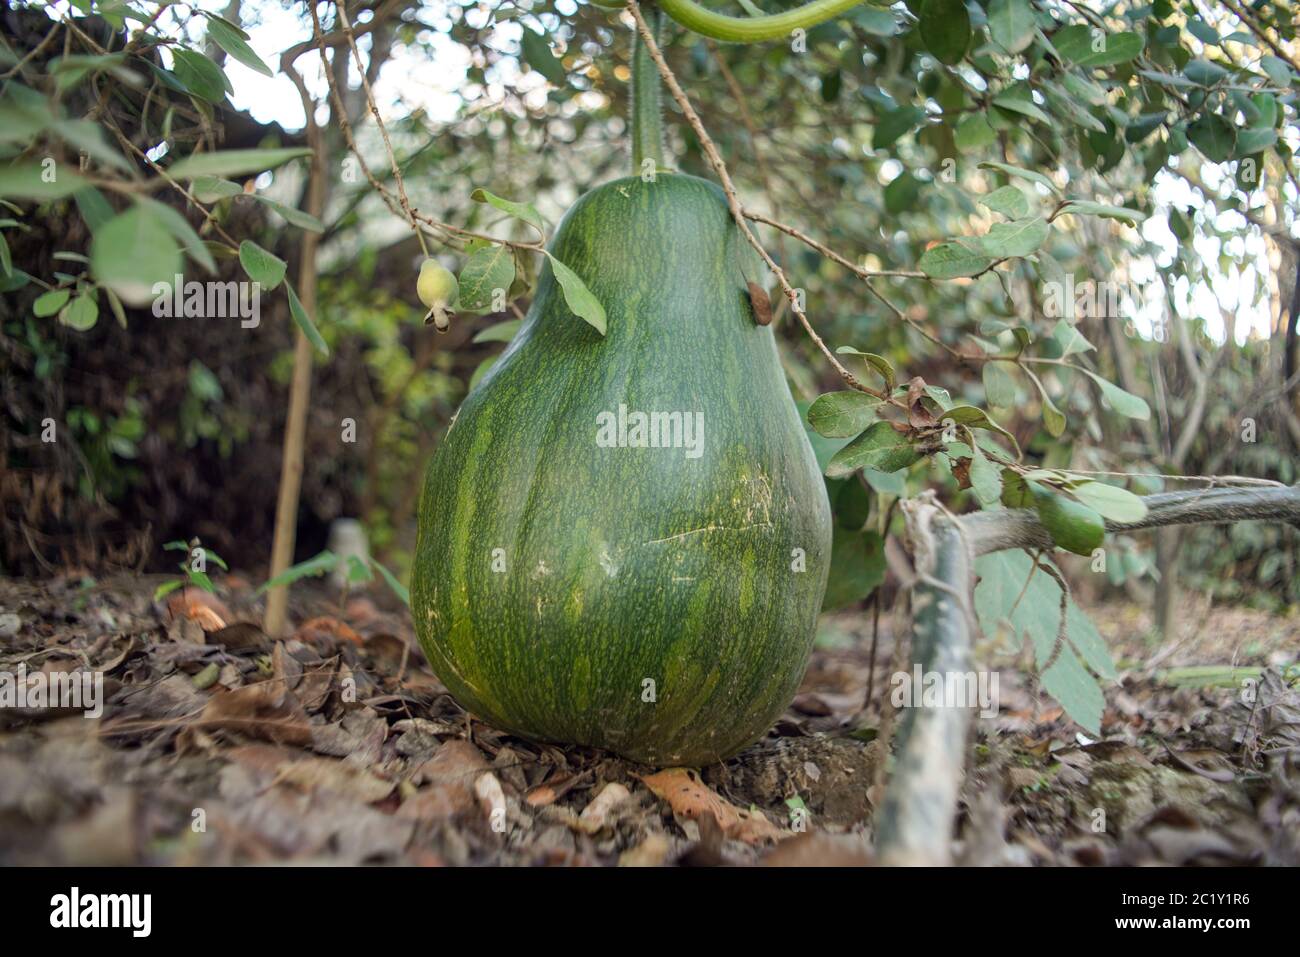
{"x":940,"y":396}
{"x":893,"y":124}
{"x":879,"y":447}
{"x":1167,"y":79}
{"x":1070,"y":108}
{"x":902,"y":192}
{"x":874,"y":20}
{"x":1050,"y":270}
{"x":578,"y":296}
{"x":1017,"y":238}
{"x":1278,"y":70}
{"x":181,"y":231}
{"x":133,"y":252}
{"x":487,"y":269}
{"x":88,"y":136}
{"x":1028,"y":174}
{"x":1110,"y":501}
{"x":358,"y":571}
{"x":823,"y":448}
{"x":1204,"y":73}
{"x":945,"y":29}
{"x":295,"y":217}
{"x":1033,"y":610}
{"x":499,"y":332}
{"x":262,"y":267}
{"x":483,"y":368}
{"x":857,"y":567}
{"x":1125,"y":403}
{"x":115,"y":306}
{"x":228,"y":38}
{"x":1202,"y":31}
{"x":524,"y":211}
{"x":1214,"y":136}
{"x":39,"y":181}
{"x":304,"y":322}
{"x":318,"y":565}
{"x":16,"y":279}
{"x":390,"y":579}
{"x":886,"y":483}
{"x":1122,"y":213}
{"x":999,"y":387}
{"x":976,"y":418}
{"x":1007,"y":200}
{"x":200,"y":579}
{"x":538,"y":55}
{"x":1070,"y":339}
{"x":93,"y":207}
{"x":985,"y":478}
{"x":842,"y":414}
{"x":24,"y":113}
{"x":1144,"y":126}
{"x":1090,"y":46}
{"x":952,"y":261}
{"x":850,"y":503}
{"x":1053,"y":418}
{"x":210,"y":189}
{"x":973,"y":132}
{"x":234,"y":162}
{"x":1266,"y":105}
{"x":165,"y":589}
{"x":1018,"y":100}
{"x":879,"y":363}
{"x":1011,"y":24}
{"x":81,"y":314}
{"x":200,"y":75}
{"x":1254,"y":141}
{"x":70,"y":70}
{"x":51,"y":302}
{"x":1072,"y":525}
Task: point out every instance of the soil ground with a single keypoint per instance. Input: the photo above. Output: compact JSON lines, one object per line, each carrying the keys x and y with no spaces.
{"x":217,"y":745}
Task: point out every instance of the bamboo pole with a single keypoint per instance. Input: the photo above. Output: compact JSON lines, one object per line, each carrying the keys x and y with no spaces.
{"x":295,"y":429}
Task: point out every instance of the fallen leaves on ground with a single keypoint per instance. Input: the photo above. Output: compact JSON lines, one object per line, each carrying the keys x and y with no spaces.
{"x":337,"y":745}
{"x":691,"y":799}
{"x":265,"y":710}
{"x":199,"y":606}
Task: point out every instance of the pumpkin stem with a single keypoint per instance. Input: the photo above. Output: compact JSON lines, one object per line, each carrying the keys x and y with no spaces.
{"x":729,"y":29}
{"x":645,"y":109}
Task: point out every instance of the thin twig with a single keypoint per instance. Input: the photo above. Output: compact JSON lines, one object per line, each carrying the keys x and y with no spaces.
{"x":379,"y":121}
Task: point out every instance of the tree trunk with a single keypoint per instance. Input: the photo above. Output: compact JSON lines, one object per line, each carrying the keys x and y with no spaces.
{"x":1168,"y":541}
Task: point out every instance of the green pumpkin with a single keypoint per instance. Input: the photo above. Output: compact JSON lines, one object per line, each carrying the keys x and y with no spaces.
{"x":573,"y":586}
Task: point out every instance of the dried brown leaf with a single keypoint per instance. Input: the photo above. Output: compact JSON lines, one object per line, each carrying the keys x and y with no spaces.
{"x":691,"y":799}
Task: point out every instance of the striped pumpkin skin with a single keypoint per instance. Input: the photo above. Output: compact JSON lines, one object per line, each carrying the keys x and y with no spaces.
{"x":634,"y":599}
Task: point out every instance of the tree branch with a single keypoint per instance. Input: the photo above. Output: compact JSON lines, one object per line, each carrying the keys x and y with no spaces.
{"x":919,"y":810}
{"x":1001,"y":529}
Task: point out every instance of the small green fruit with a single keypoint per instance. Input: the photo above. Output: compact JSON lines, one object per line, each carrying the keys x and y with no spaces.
{"x":437,"y":289}
{"x":1072,"y":525}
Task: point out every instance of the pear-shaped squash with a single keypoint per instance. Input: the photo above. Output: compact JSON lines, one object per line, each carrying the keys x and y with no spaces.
{"x":624,"y":540}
